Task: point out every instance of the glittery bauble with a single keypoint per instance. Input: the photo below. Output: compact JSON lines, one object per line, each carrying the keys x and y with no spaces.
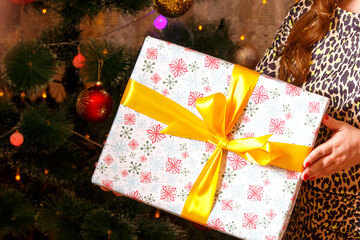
{"x":94,"y":104}
{"x":246,"y":55}
{"x":172,"y":8}
{"x":79,"y":61}
{"x":16,"y":139}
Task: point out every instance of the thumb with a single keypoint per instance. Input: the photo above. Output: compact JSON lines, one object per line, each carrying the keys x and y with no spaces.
{"x":331,"y":123}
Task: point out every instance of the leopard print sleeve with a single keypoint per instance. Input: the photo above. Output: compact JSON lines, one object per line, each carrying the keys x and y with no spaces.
{"x":270,"y":63}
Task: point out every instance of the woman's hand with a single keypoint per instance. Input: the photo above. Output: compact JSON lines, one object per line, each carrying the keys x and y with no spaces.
{"x":341,"y":151}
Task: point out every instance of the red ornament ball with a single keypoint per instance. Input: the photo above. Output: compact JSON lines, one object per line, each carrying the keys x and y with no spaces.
{"x":22,"y":2}
{"x":94,"y":104}
{"x":16,"y":139}
{"x":79,"y":61}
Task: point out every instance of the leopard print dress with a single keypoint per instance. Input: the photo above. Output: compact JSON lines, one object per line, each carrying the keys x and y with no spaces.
{"x":327,"y":208}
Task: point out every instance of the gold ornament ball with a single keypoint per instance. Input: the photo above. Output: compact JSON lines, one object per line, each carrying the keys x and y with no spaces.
{"x":246,"y":55}
{"x":172,"y":8}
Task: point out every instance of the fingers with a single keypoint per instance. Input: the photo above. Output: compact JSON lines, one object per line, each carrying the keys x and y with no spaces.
{"x":331,"y":123}
{"x":319,"y":152}
{"x":322,"y":167}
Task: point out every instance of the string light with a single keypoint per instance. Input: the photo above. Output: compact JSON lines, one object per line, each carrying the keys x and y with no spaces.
{"x":17,"y":176}
{"x":264,"y":1}
{"x":44,"y":10}
{"x":157,"y":214}
{"x":44,"y":95}
{"x":22,"y":94}
{"x":46,"y":171}
{"x":87,"y":136}
{"x":200,"y":27}
{"x":1,"y":94}
{"x":242,"y":37}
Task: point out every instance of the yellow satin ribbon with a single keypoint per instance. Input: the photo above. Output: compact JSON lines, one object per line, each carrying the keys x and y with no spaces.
{"x":219,"y":117}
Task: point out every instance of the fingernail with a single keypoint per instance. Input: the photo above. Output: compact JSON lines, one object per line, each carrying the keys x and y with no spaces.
{"x":305,"y":177}
{"x":326,"y":116}
{"x":307,"y":164}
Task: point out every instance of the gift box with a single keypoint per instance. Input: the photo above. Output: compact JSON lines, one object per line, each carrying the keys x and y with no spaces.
{"x":210,"y":141}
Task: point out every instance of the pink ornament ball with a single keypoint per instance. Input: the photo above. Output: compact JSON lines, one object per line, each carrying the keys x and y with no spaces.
{"x":79,"y":61}
{"x":160,"y":22}
{"x":16,"y":139}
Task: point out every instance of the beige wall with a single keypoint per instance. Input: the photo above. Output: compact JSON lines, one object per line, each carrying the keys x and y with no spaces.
{"x":257,"y":21}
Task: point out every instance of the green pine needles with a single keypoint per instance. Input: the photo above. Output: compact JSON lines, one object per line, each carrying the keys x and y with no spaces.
{"x":16,"y":217}
{"x":29,"y":66}
{"x":114,"y":61}
{"x":49,"y":129}
{"x":103,"y":224}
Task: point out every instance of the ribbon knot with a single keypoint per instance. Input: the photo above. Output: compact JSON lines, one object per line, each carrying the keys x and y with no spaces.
{"x":224,"y":143}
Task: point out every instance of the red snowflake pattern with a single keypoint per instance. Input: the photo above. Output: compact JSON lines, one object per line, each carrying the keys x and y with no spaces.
{"x":185,"y":155}
{"x":209,"y":147}
{"x":259,"y":95}
{"x":189,"y":186}
{"x":246,"y":119}
{"x":227,"y":205}
{"x":270,"y":237}
{"x":315,"y":132}
{"x":255,"y":192}
{"x":292,"y":90}
{"x":212,"y":62}
{"x":236,"y":162}
{"x":155,"y":78}
{"x":271,"y":214}
{"x":108,"y":184}
{"x":133,"y":144}
{"x":277,"y":126}
{"x":288,"y":115}
{"x":165,"y":92}
{"x":124,"y":173}
{"x":207,"y":89}
{"x":178,"y":67}
{"x":173,"y":165}
{"x":228,"y":80}
{"x":250,"y":221}
{"x":189,"y":50}
{"x":108,"y":159}
{"x":292,"y":175}
{"x":145,"y":177}
{"x":152,"y":53}
{"x":266,"y":182}
{"x":154,"y":133}
{"x":217,"y":224}
{"x":168,"y":193}
{"x":129,"y":119}
{"x":224,"y":185}
{"x":314,"y":107}
{"x":249,"y":135}
{"x":193,"y":97}
{"x":135,"y":195}
{"x":143,"y":158}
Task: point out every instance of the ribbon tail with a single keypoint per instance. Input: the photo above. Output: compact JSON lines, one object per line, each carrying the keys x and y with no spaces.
{"x":283,"y":155}
{"x":199,"y":203}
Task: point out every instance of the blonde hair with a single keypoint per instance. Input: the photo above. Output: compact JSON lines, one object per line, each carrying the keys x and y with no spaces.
{"x":310,"y":28}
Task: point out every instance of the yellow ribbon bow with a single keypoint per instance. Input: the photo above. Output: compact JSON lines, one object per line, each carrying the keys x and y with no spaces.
{"x":219,"y":117}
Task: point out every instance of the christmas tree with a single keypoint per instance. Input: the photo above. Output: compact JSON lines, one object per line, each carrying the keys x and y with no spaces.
{"x":50,"y":141}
